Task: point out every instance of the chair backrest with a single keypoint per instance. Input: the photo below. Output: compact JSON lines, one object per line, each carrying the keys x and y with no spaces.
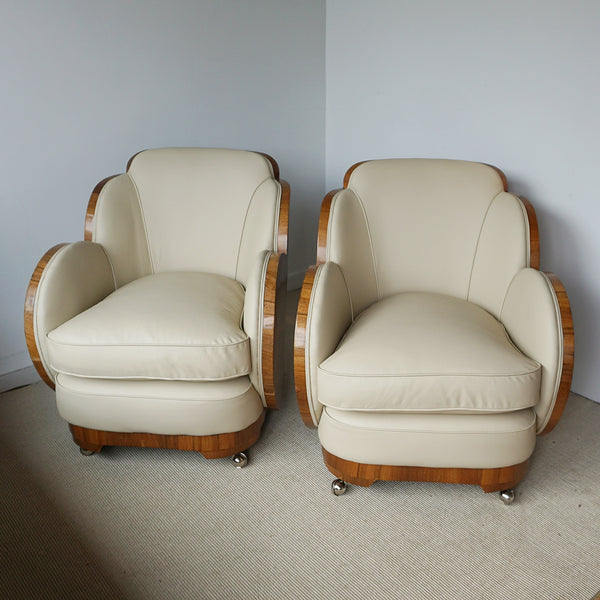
{"x":189,"y":209}
{"x":427,"y":225}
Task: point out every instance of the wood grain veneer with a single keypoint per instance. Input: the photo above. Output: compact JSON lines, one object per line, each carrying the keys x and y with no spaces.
{"x":273,"y":329}
{"x":284,"y":218}
{"x":210,"y":446}
{"x":91,"y":209}
{"x":568,"y":333}
{"x":490,"y":480}
{"x":323,"y":226}
{"x":30,"y":298}
{"x":534,"y":235}
{"x":300,"y":347}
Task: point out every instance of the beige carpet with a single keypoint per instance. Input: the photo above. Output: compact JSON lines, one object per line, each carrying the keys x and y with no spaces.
{"x":158,"y":524}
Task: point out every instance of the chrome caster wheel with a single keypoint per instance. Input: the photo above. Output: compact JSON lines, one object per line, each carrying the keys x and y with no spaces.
{"x":86,"y":452}
{"x":240,"y":460}
{"x":339,"y":487}
{"x":507,"y":496}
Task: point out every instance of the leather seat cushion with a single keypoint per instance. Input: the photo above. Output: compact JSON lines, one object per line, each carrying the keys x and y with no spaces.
{"x":163,"y":407}
{"x":174,"y":325}
{"x":482,"y":441}
{"x":425,"y":352}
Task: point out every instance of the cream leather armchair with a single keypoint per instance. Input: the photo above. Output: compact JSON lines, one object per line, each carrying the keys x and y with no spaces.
{"x":428,"y":345}
{"x":161,"y":329}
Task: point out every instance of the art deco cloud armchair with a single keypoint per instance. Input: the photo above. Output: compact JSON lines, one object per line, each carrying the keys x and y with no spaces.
{"x":161,"y":328}
{"x":428,"y":345}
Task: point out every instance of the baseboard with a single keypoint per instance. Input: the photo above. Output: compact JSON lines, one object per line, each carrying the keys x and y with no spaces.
{"x":15,"y":379}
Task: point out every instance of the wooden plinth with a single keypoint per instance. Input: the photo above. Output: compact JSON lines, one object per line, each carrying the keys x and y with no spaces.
{"x":490,"y":480}
{"x":210,"y":446}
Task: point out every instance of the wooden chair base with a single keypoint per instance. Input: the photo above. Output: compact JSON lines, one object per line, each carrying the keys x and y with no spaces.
{"x":490,"y":480}
{"x":210,"y":446}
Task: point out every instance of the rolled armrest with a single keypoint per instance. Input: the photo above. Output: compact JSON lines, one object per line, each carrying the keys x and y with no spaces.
{"x":264,"y":324}
{"x":537,"y":316}
{"x":324,"y":314}
{"x":69,"y":279}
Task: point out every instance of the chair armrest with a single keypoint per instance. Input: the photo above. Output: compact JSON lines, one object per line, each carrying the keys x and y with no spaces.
{"x":324,"y":314}
{"x":264,"y":323}
{"x":69,"y":279}
{"x":537,"y":316}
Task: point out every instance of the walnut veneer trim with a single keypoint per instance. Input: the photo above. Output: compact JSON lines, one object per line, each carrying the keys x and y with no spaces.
{"x":568,"y":333}
{"x":490,"y":480}
{"x":323,"y":225}
{"x":91,"y":208}
{"x":534,"y":235}
{"x":30,"y":298}
{"x":273,"y":329}
{"x":284,"y":217}
{"x":300,"y":347}
{"x":210,"y":446}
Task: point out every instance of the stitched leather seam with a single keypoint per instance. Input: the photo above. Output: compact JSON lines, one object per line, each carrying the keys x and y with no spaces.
{"x":261,"y":306}
{"x":234,"y":375}
{"x":483,"y":221}
{"x":375,"y":268}
{"x":350,"y":427}
{"x":527,"y":232}
{"x":147,"y":345}
{"x":307,"y":342}
{"x":243,"y":232}
{"x":559,"y":361}
{"x":151,"y":397}
{"x":112,"y":270}
{"x":144,"y":225}
{"x":415,"y":375}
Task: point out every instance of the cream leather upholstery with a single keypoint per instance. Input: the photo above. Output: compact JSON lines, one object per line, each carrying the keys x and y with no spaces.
{"x":425,"y":352}
{"x":162,"y":407}
{"x":173,"y":325}
{"x":429,"y":440}
{"x":155,"y":324}
{"x":429,"y":342}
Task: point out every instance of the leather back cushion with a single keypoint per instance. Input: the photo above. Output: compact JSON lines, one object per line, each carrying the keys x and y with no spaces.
{"x":419,"y":225}
{"x":205,"y":209}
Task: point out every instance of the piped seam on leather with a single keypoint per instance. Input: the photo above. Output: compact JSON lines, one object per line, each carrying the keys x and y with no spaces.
{"x":560,"y":354}
{"x":146,"y":344}
{"x":476,"y":249}
{"x":52,"y":373}
{"x":307,"y":342}
{"x":243,"y":232}
{"x":413,"y":375}
{"x":144,"y":224}
{"x":350,"y":427}
{"x":261,"y":311}
{"x":151,"y":397}
{"x":527,"y":231}
{"x":371,"y":244}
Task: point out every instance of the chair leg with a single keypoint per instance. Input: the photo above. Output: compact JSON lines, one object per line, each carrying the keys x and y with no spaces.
{"x":339,"y":487}
{"x":240,"y":460}
{"x":507,"y":496}
{"x":88,"y":450}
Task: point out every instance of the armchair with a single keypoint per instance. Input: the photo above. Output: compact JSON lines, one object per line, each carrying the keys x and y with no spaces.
{"x":162,"y":328}
{"x":428,"y":346}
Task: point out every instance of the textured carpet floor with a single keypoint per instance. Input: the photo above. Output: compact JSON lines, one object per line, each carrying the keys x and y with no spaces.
{"x":160,"y":524}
